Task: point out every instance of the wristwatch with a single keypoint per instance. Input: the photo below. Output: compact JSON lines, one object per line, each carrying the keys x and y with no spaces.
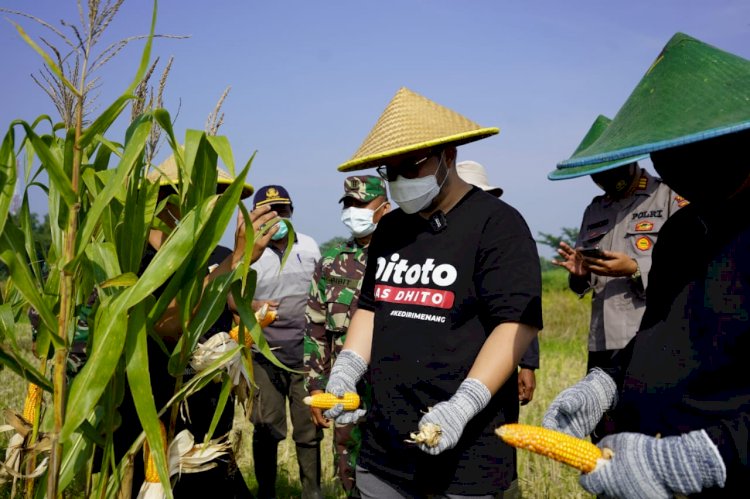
{"x":635,"y":276}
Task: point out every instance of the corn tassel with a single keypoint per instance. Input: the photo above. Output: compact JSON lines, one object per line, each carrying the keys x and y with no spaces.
{"x":33,"y":400}
{"x":576,"y":452}
{"x":152,"y":475}
{"x":328,"y":400}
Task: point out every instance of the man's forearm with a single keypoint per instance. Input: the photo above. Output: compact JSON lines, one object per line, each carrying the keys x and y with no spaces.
{"x":359,"y":334}
{"x":500,"y":354}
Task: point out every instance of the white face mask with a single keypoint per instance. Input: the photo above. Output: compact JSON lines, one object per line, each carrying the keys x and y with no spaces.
{"x":416,"y":194}
{"x":359,"y":220}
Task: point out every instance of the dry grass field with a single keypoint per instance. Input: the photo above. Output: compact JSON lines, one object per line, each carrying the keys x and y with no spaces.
{"x":563,"y":360}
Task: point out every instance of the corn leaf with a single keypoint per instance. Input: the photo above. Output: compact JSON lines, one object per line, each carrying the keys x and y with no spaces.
{"x":139,"y":379}
{"x":7,"y":176}
{"x":133,"y":150}
{"x":110,"y":327}
{"x":221,"y":145}
{"x":47,"y":59}
{"x":12,"y":253}
{"x":226,"y":389}
{"x":18,"y":364}
{"x":52,"y":162}
{"x":248,"y":319}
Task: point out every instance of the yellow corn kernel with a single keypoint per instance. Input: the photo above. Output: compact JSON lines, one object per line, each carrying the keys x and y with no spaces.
{"x":327,"y":400}
{"x":576,"y":452}
{"x":234,"y":333}
{"x":33,"y":400}
{"x":152,"y":475}
{"x":265,"y":316}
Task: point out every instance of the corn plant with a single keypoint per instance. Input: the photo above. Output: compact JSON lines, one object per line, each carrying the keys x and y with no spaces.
{"x":102,"y":209}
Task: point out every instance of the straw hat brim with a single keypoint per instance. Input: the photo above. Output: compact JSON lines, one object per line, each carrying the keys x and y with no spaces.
{"x":378,"y":159}
{"x":166,"y":174}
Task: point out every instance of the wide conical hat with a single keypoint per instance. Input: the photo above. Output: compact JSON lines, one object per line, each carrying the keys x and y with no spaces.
{"x":691,"y":92}
{"x":601,"y":123}
{"x":166,"y":173}
{"x":410,"y":123}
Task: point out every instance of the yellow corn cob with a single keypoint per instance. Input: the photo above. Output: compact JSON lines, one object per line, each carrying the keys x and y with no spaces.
{"x":234,"y":333}
{"x":31,"y":405}
{"x":152,"y":476}
{"x":576,"y":452}
{"x":328,"y":400}
{"x":264,"y":316}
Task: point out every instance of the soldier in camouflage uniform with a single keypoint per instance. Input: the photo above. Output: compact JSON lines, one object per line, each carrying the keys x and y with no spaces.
{"x":334,"y":293}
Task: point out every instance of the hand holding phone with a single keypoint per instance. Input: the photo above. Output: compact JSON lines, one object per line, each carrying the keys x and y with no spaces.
{"x":592,"y":252}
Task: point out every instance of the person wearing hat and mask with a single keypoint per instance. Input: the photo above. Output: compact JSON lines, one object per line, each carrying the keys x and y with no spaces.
{"x":333,"y":298}
{"x":623,"y":225}
{"x":450,"y":300}
{"x":284,"y":289}
{"x":679,"y":392}
{"x":475,"y":174}
{"x":224,"y":479}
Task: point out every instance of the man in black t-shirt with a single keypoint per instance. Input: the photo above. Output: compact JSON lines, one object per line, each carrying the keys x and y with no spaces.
{"x":450,"y":301}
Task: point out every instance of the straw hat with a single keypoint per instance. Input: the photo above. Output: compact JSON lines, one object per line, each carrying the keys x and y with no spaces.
{"x":600,"y":125}
{"x":410,"y":123}
{"x":475,"y":174}
{"x":691,"y":92}
{"x":166,"y":173}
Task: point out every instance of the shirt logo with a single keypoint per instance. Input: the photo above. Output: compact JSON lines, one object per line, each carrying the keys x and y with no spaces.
{"x":644,"y":227}
{"x":399,"y":271}
{"x":644,"y":243}
{"x":681,"y":201}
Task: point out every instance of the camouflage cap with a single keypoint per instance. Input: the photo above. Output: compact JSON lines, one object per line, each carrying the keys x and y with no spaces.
{"x":364,"y":188}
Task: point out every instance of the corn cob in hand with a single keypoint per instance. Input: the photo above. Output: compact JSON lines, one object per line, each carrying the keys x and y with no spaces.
{"x":576,"y":452}
{"x":350,"y":401}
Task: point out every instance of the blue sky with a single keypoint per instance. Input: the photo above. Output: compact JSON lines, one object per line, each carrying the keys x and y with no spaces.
{"x":309,"y":80}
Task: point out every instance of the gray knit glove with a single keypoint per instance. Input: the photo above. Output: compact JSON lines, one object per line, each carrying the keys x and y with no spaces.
{"x":654,"y":468}
{"x":577,"y":410}
{"x":451,"y":416}
{"x":345,"y":373}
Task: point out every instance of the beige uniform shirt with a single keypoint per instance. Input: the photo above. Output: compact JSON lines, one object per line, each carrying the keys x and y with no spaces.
{"x":630,"y":226}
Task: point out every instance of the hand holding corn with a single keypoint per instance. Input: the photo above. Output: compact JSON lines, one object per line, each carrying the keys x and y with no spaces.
{"x":346,"y":372}
{"x":577,"y":410}
{"x":573,"y":451}
{"x":644,"y":466}
{"x":442,"y":426}
{"x":350,"y":400}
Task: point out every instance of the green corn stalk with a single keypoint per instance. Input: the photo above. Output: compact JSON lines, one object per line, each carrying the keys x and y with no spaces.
{"x":101,"y":209}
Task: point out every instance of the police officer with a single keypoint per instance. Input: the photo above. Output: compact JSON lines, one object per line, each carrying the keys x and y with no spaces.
{"x":334,"y":293}
{"x":612,"y":256}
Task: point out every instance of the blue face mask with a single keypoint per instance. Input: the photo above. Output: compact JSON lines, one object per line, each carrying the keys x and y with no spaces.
{"x":281,"y":233}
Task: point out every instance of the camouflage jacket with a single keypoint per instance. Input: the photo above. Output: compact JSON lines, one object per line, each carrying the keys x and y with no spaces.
{"x":331,"y":302}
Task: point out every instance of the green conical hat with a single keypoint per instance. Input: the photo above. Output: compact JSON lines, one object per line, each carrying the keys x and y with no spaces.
{"x":597,"y":129}
{"x":412,"y":122}
{"x":691,"y":92}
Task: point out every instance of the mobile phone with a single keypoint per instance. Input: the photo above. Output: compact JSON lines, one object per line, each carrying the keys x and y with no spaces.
{"x":591,"y":252}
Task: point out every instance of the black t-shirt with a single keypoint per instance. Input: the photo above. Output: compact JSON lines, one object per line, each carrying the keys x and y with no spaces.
{"x":436,"y":297}
{"x":686,"y":369}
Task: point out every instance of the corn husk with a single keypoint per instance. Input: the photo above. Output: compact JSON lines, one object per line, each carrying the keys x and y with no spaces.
{"x":186,"y":457}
